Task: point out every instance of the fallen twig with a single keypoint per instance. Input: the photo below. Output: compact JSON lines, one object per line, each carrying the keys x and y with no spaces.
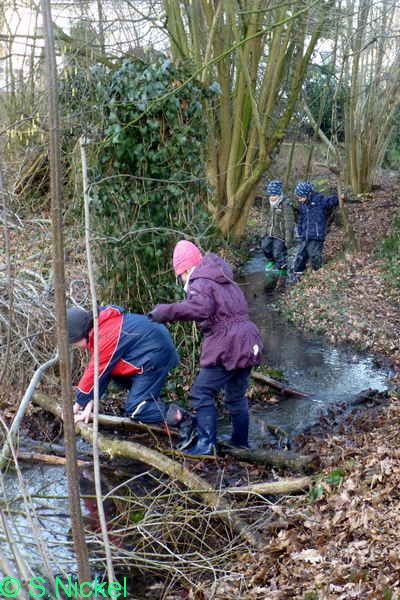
{"x":286,"y":390}
{"x":276,"y":458}
{"x":48,"y":459}
{"x":283,"y":486}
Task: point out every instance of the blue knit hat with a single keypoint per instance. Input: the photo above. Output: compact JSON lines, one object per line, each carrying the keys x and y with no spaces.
{"x":304,"y":189}
{"x":274,"y":188}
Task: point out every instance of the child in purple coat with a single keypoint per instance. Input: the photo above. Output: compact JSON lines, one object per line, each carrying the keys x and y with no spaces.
{"x":231,"y":342}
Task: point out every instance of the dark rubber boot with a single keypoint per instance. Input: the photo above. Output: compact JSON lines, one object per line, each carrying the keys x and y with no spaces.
{"x":187,"y":432}
{"x":240,"y":431}
{"x":179,"y":417}
{"x":206,"y":425}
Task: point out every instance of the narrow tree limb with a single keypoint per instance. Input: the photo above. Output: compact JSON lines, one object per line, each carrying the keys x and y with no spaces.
{"x":26,"y":399}
{"x":48,"y":459}
{"x":318,"y":129}
{"x":111,"y":421}
{"x":57,"y":457}
{"x":57,"y":210}
{"x":278,"y":385}
{"x":276,"y":458}
{"x":283,"y":486}
{"x":96,"y":368}
{"x":114,"y":447}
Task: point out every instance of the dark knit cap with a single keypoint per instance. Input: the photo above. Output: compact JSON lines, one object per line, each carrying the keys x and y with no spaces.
{"x":79,"y":323}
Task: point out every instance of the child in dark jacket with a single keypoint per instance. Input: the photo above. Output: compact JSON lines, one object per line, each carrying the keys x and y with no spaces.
{"x":133,"y":352}
{"x":231,"y":342}
{"x":313,"y":213}
{"x":280,"y":225}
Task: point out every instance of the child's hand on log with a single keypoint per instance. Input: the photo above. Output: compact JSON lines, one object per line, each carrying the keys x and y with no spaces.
{"x":83,"y":414}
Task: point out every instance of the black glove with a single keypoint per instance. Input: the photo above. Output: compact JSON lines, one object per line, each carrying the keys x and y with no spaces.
{"x":155,"y":316}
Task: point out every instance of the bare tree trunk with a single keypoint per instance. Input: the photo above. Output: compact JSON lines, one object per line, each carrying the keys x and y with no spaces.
{"x":101,"y":27}
{"x":373,"y":74}
{"x":96,"y":455}
{"x":289,"y":164}
{"x":10,"y":268}
{"x":59,"y":281}
{"x":256,"y":55}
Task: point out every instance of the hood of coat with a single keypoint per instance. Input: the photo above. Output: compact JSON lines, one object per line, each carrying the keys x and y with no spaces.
{"x":213,"y":267}
{"x":311,"y":199}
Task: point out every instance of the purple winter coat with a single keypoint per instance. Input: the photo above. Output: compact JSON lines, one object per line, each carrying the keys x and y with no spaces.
{"x":218,"y":305}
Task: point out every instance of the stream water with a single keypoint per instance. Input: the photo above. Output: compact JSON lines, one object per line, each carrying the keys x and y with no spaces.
{"x":332,"y":376}
{"x":38,"y":519}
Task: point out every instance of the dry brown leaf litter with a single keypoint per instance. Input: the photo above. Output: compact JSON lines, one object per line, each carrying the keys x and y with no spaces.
{"x":345,"y":544}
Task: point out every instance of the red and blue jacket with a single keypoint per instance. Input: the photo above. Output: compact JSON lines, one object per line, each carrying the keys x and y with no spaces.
{"x":129,"y":344}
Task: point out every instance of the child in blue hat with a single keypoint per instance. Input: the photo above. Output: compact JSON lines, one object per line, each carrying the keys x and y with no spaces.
{"x":280,"y":225}
{"x":314,"y":209}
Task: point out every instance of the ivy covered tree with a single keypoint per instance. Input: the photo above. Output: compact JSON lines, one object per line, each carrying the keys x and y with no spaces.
{"x":147,"y":172}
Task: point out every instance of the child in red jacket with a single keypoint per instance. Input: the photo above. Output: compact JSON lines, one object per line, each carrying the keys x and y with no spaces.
{"x":134,"y":353}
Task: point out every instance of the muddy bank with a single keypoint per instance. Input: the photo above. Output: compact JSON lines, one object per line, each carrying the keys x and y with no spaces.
{"x":348,"y":301}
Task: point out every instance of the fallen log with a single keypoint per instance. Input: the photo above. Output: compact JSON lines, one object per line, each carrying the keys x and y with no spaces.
{"x":259,"y":456}
{"x":286,"y":390}
{"x":272,"y":488}
{"x":276,"y":458}
{"x":370,"y":395}
{"x":114,"y":447}
{"x":112,"y":421}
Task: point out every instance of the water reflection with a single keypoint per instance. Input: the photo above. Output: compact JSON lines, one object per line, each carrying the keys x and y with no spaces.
{"x":40,"y":522}
{"x":329,"y":374}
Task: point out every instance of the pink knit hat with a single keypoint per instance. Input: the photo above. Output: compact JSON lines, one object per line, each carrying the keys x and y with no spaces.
{"x":186,"y":255}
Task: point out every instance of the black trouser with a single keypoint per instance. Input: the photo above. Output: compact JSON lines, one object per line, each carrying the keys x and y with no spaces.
{"x":210,"y":380}
{"x":275,"y":249}
{"x":310,"y":250}
{"x":207,"y":384}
